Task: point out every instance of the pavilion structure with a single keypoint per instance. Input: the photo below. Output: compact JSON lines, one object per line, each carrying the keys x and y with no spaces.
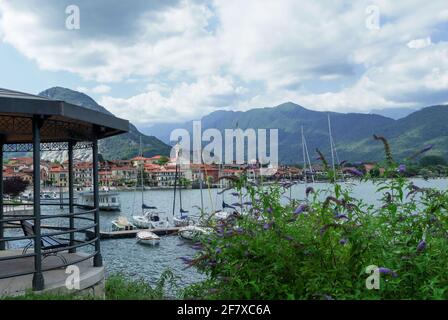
{"x":34,"y":124}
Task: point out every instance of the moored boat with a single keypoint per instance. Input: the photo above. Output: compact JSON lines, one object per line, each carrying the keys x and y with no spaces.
{"x":147,"y":238}
{"x":192,"y":232}
{"x":109,"y":201}
{"x":122,"y":224}
{"x":150,"y":220}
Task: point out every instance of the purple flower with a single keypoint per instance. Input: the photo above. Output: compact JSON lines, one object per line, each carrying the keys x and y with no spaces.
{"x":309,"y":190}
{"x":401,"y":168}
{"x":421,"y":246}
{"x":218,"y":250}
{"x":267,"y":226}
{"x":387,"y":271}
{"x":239,"y":230}
{"x":340,"y":216}
{"x":197,"y":247}
{"x":343,"y":241}
{"x":212,"y":263}
{"x":300,"y":209}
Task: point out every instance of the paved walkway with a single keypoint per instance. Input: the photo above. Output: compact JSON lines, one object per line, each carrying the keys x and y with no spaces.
{"x":54,"y":279}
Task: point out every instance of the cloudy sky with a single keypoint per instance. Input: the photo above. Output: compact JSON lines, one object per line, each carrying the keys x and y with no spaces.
{"x":155,"y":61}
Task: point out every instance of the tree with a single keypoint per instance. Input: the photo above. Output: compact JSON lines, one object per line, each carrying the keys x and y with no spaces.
{"x":432,"y":161}
{"x":14,"y":186}
{"x":163,"y":160}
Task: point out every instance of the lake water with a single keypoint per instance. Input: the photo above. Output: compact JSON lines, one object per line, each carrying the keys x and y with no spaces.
{"x":148,"y":263}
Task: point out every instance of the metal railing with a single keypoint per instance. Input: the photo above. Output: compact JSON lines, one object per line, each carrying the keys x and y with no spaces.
{"x":58,"y":232}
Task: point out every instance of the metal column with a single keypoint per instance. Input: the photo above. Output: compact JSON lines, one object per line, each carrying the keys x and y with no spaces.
{"x":71,"y":194}
{"x":2,"y":243}
{"x":38,"y":279}
{"x":98,"y":260}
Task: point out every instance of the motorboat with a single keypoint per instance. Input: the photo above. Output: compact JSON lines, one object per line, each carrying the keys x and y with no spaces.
{"x":147,"y":238}
{"x":192,"y":232}
{"x":122,"y":224}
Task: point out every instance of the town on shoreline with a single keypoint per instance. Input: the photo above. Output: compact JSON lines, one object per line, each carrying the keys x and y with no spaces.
{"x":164,"y":172}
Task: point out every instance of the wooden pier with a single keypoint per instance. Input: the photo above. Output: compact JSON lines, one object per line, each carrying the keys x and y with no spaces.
{"x":130,"y":233}
{"x":104,"y":235}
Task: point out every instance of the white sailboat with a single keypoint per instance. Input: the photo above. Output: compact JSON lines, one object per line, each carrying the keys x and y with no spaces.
{"x":147,"y":238}
{"x":183,"y":219}
{"x":150,"y":217}
{"x":306,"y":160}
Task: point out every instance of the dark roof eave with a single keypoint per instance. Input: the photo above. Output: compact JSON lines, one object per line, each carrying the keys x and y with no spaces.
{"x":29,"y":107}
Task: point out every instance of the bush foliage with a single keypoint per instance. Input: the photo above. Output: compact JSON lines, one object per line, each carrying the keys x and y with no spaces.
{"x":321,"y":247}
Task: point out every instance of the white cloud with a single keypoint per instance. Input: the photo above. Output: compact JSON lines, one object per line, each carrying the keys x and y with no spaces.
{"x":190,"y":58}
{"x":181,"y":103}
{"x":419,"y":43}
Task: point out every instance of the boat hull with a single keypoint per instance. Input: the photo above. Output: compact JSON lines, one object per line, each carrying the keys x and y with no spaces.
{"x":147,"y":238}
{"x":192,"y":232}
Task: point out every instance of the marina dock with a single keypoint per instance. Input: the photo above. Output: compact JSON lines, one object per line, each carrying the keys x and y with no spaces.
{"x":131,"y":233}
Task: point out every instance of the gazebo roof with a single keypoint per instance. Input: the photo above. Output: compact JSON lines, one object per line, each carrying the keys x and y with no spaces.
{"x":63,"y":121}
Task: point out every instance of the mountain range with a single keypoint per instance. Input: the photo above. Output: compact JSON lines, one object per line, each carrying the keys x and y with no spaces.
{"x":124,"y":146}
{"x":352,"y":132}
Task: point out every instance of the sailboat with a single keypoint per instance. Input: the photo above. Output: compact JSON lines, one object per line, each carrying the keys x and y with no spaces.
{"x":306,"y":160}
{"x":150,"y":217}
{"x":222,"y":214}
{"x":183,"y":219}
{"x":334,"y":153}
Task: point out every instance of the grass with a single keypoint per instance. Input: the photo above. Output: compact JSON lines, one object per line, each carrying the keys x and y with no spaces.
{"x":117,"y":287}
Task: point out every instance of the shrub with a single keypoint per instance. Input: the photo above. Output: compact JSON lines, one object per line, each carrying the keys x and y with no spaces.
{"x":320,"y":248}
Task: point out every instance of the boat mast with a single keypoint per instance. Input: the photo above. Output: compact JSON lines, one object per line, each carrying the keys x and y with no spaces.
{"x":180,"y":192}
{"x":175,"y":185}
{"x":331,"y":148}
{"x":304,"y":158}
{"x":200,"y":180}
{"x":308,"y":158}
{"x":141,"y":172}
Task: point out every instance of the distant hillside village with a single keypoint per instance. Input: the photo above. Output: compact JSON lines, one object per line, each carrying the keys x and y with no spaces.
{"x":160,"y":171}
